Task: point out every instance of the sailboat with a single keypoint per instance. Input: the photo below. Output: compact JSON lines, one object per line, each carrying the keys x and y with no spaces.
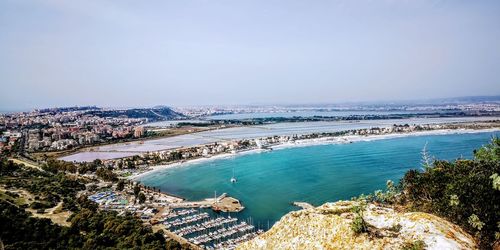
{"x":233,"y":179}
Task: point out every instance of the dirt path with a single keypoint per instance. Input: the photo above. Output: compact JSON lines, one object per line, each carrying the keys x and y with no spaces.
{"x":55,"y":209}
{"x":26,"y":163}
{"x":54,"y":214}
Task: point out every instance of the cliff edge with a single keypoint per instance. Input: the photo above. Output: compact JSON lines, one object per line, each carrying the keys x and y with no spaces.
{"x":330,"y":226}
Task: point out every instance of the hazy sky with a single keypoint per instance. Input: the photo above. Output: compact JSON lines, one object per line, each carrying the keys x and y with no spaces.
{"x":184,"y":52}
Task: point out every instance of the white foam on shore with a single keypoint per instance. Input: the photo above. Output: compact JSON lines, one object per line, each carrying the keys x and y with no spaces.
{"x":361,"y":138}
{"x":313,"y":142}
{"x":191,"y":162}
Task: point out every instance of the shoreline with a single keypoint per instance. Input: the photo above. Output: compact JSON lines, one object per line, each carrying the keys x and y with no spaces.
{"x":156,"y":168}
{"x":115,"y":150}
{"x":96,"y":148}
{"x":310,"y":142}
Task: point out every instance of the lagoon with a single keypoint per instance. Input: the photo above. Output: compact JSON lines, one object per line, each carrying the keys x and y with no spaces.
{"x":248,"y":132}
{"x":311,"y":113}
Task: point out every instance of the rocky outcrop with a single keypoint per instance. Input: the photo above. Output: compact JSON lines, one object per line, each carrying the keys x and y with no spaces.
{"x":329,"y":227}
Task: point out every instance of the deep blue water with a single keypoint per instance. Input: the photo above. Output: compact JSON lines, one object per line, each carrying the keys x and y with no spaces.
{"x":269,"y":182}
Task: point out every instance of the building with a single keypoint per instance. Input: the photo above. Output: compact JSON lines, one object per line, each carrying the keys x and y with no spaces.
{"x":138,"y":132}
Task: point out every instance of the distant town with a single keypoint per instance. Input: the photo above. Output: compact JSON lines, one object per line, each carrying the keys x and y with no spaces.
{"x":58,"y":129}
{"x":32,"y":144}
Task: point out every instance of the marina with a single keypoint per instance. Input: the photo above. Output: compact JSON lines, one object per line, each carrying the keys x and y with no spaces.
{"x":206,"y":223}
{"x":208,"y":231}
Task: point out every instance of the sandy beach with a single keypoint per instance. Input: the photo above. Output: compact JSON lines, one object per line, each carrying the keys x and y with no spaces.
{"x":310,"y":142}
{"x":192,"y":161}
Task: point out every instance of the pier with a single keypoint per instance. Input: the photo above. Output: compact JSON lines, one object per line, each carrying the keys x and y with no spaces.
{"x":222,"y":203}
{"x":198,"y":228}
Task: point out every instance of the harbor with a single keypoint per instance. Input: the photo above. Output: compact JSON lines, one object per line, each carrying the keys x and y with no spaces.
{"x":206,"y":223}
{"x":208,"y":231}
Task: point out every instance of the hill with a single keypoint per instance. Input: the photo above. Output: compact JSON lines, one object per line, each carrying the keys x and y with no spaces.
{"x":152,"y":114}
{"x":329,"y":227}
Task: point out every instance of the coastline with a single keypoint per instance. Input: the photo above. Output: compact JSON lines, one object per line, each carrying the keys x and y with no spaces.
{"x":120,"y":150}
{"x":310,"y":142}
{"x":97,"y":148}
{"x":192,"y":161}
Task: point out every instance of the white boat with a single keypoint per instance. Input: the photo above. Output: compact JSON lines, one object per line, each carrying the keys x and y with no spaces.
{"x":233,"y":179}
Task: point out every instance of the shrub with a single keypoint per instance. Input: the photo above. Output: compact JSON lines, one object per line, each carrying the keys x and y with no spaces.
{"x":416,"y":245}
{"x":358,"y":224}
{"x":464,"y":191}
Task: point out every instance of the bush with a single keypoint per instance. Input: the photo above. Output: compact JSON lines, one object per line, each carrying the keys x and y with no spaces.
{"x":416,"y":245}
{"x":39,"y":205}
{"x":106,"y":174}
{"x":463,"y":191}
{"x":358,"y":225}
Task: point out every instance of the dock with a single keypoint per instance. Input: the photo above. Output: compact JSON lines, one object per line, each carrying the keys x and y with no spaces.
{"x":227,"y":204}
{"x":203,"y":231}
{"x":223,"y":203}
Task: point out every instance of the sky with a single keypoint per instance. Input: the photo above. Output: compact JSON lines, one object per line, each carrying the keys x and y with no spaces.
{"x":198,"y":52}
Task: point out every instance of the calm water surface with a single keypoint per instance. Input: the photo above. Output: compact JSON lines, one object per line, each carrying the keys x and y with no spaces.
{"x":248,"y":132}
{"x":311,"y":114}
{"x":269,"y":182}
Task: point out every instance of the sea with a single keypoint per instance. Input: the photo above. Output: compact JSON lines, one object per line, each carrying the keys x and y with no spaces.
{"x":269,"y":182}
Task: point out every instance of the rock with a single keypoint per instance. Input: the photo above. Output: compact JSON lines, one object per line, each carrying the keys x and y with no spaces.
{"x":329,"y":227}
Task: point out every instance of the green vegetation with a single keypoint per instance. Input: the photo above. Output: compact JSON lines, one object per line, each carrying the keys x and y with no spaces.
{"x":358,"y":224}
{"x":466,"y":192}
{"x":153,"y":114}
{"x":137,"y":189}
{"x":20,"y":231}
{"x":47,"y":188}
{"x":416,"y":245}
{"x":89,"y":228}
{"x":142,"y":197}
{"x":391,"y":195}
{"x":270,"y":120}
{"x":106,"y":174}
{"x":120,"y":185}
{"x":106,"y":229}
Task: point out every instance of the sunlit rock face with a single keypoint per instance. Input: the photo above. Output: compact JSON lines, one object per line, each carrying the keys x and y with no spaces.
{"x":329,"y":227}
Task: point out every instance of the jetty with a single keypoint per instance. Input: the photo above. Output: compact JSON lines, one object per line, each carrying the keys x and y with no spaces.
{"x":227,"y":204}
{"x":201,"y":230}
{"x":223,"y":203}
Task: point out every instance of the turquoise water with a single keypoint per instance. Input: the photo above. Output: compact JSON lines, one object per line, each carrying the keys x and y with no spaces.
{"x":269,"y":182}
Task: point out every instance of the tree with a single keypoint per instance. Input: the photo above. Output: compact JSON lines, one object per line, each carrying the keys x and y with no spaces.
{"x":120,"y":185}
{"x":137,"y":189}
{"x":106,"y":174}
{"x":142,"y":197}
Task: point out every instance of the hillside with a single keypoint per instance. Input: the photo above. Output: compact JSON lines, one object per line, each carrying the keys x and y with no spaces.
{"x":329,"y":227}
{"x":153,"y":114}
